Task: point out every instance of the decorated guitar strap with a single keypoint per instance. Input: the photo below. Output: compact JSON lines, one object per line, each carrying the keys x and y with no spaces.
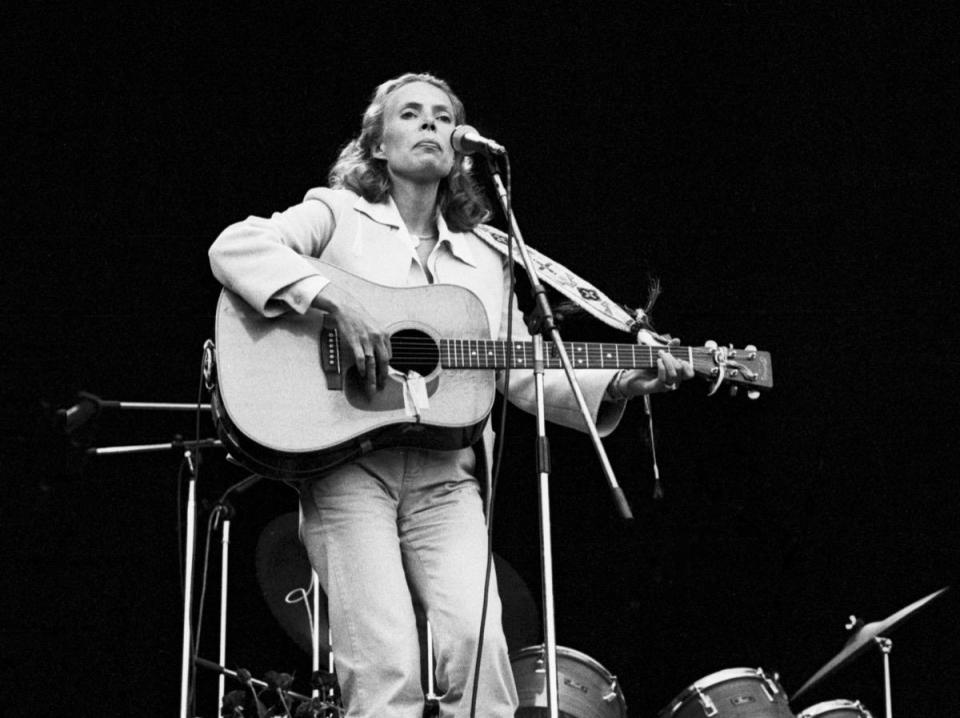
{"x":586,"y":295}
{"x":575,"y":288}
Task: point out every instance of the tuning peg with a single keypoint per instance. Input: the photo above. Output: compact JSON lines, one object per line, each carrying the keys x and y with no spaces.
{"x":710,"y":344}
{"x":753,"y":394}
{"x":734,"y":389}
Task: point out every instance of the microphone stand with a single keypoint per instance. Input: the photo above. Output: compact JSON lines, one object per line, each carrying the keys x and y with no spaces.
{"x":542,"y":324}
{"x":189,"y":545}
{"x":189,"y":447}
{"x":224,"y":510}
{"x":142,"y":448}
{"x":66,"y":416}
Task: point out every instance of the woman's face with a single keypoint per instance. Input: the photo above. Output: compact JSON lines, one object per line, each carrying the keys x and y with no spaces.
{"x":418,"y":120}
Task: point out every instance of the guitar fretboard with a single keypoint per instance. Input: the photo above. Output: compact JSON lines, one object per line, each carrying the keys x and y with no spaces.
{"x":493,"y":354}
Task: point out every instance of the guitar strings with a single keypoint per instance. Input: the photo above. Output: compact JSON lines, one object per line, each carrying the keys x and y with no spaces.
{"x":430,"y":346}
{"x":594,"y":346}
{"x":424,"y":351}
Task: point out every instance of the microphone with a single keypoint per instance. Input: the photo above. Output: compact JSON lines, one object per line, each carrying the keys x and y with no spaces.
{"x":87,"y":408}
{"x":466,"y":140}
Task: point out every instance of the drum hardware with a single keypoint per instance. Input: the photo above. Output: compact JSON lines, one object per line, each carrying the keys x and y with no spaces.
{"x":279,"y":684}
{"x":770,"y":682}
{"x":240,"y":676}
{"x":867,"y":635}
{"x":709,"y":709}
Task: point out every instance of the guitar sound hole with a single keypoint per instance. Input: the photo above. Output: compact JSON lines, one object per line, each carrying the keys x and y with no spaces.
{"x":414,"y":350}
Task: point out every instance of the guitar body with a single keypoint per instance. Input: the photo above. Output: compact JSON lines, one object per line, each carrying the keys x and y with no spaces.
{"x":289,"y":404}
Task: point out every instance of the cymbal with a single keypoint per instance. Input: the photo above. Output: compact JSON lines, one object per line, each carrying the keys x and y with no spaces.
{"x":283,"y":567}
{"x":864,"y":637}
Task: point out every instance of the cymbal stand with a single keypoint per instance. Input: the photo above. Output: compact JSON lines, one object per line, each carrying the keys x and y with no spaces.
{"x":886,"y":645}
{"x":542,"y":324}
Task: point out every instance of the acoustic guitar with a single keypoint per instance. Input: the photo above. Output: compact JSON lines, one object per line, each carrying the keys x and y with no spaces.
{"x":289,"y":404}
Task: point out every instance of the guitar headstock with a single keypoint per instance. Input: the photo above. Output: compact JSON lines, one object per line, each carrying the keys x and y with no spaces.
{"x":746,"y":367}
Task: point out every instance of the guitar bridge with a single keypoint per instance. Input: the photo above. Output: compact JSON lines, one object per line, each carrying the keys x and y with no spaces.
{"x":330,"y":358}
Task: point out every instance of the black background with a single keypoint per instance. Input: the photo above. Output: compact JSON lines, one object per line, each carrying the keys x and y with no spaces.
{"x":787,"y":172}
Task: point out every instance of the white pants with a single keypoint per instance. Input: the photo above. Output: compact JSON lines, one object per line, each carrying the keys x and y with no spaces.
{"x":394,"y":528}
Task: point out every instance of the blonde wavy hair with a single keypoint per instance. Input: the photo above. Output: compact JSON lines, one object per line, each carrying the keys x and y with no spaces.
{"x":459,"y":198}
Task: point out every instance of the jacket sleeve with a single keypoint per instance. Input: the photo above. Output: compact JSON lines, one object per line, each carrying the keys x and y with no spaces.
{"x":262,"y":259}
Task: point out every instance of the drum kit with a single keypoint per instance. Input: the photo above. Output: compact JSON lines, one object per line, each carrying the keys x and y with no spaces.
{"x":751,"y":693}
{"x":586,"y":688}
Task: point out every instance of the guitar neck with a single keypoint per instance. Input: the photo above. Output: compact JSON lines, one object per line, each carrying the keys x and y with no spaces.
{"x":747,"y":366}
{"x":491,"y":354}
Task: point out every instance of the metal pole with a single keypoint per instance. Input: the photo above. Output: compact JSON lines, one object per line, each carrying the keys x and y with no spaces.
{"x":886,"y":645}
{"x":158,"y":406}
{"x":431,"y":693}
{"x":546,"y":543}
{"x":315,"y":629}
{"x":187,"y":654}
{"x":224,"y":567}
{"x":142,"y":448}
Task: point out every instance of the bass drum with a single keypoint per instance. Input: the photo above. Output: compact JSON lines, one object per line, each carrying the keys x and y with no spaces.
{"x":732,"y":693}
{"x":585,"y":689}
{"x":837,"y":709}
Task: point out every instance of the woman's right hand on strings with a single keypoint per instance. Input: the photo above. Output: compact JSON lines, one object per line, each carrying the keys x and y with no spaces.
{"x":359,"y":333}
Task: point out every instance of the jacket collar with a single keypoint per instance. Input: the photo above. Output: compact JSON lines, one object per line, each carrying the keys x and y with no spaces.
{"x":386,"y":213}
